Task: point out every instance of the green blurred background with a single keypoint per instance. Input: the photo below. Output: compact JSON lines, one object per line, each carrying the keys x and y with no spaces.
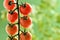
{"x":45,"y":16}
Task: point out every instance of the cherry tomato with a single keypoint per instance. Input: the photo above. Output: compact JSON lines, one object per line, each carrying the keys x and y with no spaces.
{"x":25,"y":36}
{"x":25,"y":9}
{"x":8,"y":4}
{"x":11,"y":29}
{"x":12,"y":17}
{"x":25,"y":21}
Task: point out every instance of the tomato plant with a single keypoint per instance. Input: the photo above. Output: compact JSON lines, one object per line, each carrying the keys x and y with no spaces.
{"x":14,"y":18}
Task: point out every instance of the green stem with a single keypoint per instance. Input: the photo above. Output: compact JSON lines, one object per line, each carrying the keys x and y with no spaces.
{"x":24,"y":30}
{"x":18,"y":20}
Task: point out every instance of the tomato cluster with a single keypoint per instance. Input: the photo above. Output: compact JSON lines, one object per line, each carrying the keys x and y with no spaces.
{"x":25,"y":9}
{"x":13,"y":18}
{"x":25,"y":21}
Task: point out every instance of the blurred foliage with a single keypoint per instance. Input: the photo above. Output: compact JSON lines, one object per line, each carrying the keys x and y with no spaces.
{"x":45,"y":16}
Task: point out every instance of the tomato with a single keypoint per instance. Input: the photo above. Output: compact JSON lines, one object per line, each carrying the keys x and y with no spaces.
{"x":25,"y":21}
{"x":11,"y":29}
{"x":12,"y":17}
{"x":25,"y":9}
{"x":9,"y":6}
{"x":25,"y":36}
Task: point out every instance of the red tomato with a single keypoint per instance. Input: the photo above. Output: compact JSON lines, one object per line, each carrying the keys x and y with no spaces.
{"x":7,"y":6}
{"x":25,"y":9}
{"x":12,"y":17}
{"x":25,"y":21}
{"x":11,"y":30}
{"x":25,"y":36}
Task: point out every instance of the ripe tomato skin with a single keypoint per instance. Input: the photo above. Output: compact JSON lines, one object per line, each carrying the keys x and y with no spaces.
{"x":25,"y":22}
{"x":12,"y":17}
{"x":26,"y":36}
{"x":11,"y":30}
{"x":25,"y":10}
{"x":7,"y":6}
